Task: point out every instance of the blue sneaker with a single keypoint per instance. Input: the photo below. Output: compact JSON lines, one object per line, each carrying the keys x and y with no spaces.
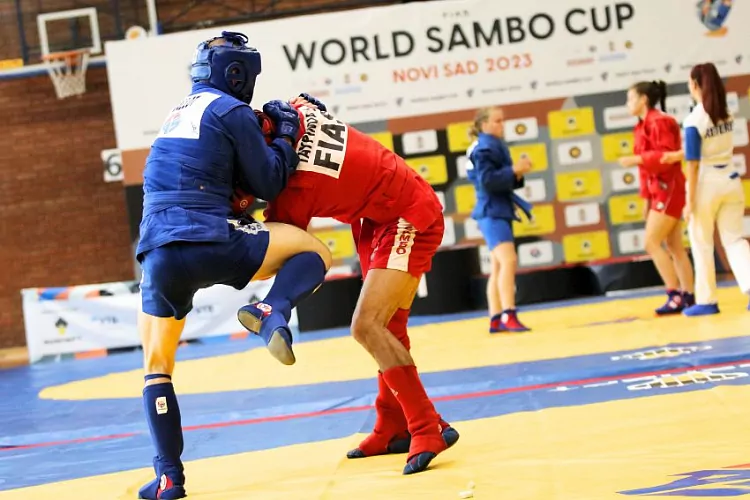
{"x":701,"y":310}
{"x":271,"y":326}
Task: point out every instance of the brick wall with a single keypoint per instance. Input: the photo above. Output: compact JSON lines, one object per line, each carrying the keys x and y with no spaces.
{"x":174,"y":15}
{"x":60,"y":223}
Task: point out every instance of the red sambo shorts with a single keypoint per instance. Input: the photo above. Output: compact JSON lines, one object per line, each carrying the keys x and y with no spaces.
{"x":667,"y":196}
{"x":398,"y":245}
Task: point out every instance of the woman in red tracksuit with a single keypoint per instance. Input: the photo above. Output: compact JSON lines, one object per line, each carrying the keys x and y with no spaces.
{"x":663,"y":187}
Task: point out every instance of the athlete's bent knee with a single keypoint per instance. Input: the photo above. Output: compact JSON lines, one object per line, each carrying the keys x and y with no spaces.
{"x":324,"y":252}
{"x":286,"y":242}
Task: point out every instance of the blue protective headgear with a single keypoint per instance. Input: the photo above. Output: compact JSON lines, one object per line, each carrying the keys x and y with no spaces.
{"x":231,"y":66}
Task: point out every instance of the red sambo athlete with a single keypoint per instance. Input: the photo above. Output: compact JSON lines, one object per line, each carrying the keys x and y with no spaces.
{"x":398,"y":225}
{"x":663,"y":188}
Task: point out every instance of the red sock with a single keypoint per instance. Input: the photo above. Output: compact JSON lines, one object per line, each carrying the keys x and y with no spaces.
{"x":424,"y":422}
{"x":390,"y":422}
{"x":397,"y":326}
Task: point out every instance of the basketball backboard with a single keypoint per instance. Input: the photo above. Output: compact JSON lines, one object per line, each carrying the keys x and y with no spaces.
{"x":70,"y":39}
{"x":74,"y":26}
{"x":67,"y":57}
{"x":86,"y":35}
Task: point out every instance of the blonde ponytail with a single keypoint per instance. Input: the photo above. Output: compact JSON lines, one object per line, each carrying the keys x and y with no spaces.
{"x":482,"y":115}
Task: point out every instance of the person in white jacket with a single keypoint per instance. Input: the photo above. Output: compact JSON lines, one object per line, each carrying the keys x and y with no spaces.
{"x":715,"y":197}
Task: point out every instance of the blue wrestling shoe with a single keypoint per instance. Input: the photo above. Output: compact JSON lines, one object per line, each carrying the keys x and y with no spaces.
{"x":420,"y":461}
{"x":509,"y":322}
{"x":399,"y":445}
{"x":675,"y":304}
{"x":168,"y":485}
{"x":701,"y":310}
{"x":262,"y":320}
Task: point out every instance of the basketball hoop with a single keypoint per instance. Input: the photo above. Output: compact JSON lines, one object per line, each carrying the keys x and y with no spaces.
{"x":68,"y":71}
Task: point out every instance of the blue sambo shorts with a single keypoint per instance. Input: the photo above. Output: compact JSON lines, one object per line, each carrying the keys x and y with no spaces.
{"x":174,"y":272}
{"x":496,"y":231}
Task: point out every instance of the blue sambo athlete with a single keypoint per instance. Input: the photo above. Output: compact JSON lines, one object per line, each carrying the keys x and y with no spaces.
{"x":190,"y":240}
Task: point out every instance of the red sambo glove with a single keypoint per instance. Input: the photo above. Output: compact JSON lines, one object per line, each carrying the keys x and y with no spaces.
{"x":241,"y":201}
{"x":269,"y":129}
{"x":266,"y":125}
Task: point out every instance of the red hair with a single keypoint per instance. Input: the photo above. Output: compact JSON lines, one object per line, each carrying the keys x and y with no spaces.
{"x":713,"y":93}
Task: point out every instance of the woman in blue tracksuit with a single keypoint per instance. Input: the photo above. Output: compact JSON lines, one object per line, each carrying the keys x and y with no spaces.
{"x":494,"y":175}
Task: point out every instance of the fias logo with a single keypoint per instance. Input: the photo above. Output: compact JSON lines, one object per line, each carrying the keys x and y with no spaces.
{"x":726,"y":482}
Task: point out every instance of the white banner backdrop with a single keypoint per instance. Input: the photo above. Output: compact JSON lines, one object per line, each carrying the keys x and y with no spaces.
{"x":422,"y":58}
{"x":82,"y":323}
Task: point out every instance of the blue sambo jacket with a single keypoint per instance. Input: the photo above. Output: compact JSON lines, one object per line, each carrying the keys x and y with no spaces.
{"x":207,"y":142}
{"x":490,"y":168}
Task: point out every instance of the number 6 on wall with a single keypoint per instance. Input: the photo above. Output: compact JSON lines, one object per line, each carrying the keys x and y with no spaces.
{"x":112,"y":165}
